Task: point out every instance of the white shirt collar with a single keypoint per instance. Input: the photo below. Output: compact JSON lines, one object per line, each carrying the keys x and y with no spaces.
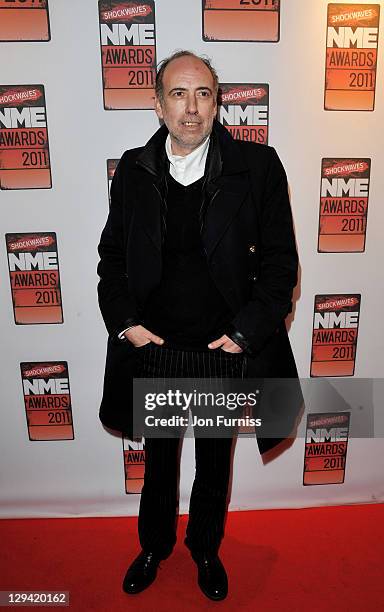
{"x":191,"y":167}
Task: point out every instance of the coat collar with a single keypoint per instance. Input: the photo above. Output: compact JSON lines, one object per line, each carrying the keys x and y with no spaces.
{"x":226,"y":185}
{"x":224,"y":156}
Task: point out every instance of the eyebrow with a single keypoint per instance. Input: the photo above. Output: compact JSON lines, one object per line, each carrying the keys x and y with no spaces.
{"x":185,"y":89}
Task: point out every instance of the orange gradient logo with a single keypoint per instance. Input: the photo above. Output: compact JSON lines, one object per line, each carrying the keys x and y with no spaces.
{"x":244,"y":110}
{"x":134,"y":465}
{"x":351,"y":57}
{"x":47,"y":399}
{"x":128,"y":53}
{"x":344,"y":193}
{"x":35,"y":278}
{"x":334,"y":334}
{"x":326,"y":448}
{"x":24,"y":146}
{"x":24,"y":20}
{"x":241,"y":20}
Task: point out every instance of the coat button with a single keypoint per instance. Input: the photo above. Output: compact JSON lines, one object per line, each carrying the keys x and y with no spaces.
{"x":252,"y":248}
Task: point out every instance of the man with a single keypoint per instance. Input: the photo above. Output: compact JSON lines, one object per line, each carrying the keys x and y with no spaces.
{"x":198,"y":263}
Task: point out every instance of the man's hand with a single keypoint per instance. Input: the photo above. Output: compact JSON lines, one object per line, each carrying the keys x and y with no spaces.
{"x":140,"y":336}
{"x":226,"y":345}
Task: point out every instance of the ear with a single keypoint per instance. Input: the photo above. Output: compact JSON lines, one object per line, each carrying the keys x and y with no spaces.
{"x":158,"y":109}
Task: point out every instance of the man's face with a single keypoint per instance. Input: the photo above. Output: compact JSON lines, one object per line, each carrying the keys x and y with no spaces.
{"x":188,"y":106}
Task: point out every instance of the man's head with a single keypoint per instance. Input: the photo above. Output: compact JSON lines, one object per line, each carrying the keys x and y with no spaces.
{"x":186,"y":99}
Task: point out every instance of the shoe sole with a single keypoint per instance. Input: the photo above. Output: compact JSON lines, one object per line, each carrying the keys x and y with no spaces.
{"x":212,"y":597}
{"x":136,"y":591}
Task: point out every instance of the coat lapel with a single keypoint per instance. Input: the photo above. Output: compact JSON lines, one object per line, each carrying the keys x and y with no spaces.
{"x":227,"y":186}
{"x":226,"y":201}
{"x":151,"y":186}
{"x":149,"y":210}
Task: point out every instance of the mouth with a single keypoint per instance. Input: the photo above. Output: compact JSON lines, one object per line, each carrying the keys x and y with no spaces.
{"x":190,"y":123}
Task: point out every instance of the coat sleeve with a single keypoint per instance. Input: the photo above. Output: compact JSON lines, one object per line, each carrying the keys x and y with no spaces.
{"x":116,"y":301}
{"x":277,"y":263}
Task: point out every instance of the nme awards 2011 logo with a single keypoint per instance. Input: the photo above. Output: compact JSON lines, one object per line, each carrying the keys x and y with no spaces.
{"x":351,"y":58}
{"x":241,"y":20}
{"x":134,"y":465}
{"x":24,"y":20}
{"x":111,"y":167}
{"x":334,"y":335}
{"x":326,"y":444}
{"x":343,"y":205}
{"x":128,"y":53}
{"x":47,"y":400}
{"x":244,"y":110}
{"x":35,"y":279}
{"x":24,"y":147}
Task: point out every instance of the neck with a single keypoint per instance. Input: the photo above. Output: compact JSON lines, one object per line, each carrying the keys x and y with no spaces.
{"x":179,"y":150}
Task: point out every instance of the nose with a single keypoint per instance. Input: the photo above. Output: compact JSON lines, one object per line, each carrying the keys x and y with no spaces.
{"x":191,"y":108}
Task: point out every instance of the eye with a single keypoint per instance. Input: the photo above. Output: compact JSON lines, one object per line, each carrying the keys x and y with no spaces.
{"x":178,"y":94}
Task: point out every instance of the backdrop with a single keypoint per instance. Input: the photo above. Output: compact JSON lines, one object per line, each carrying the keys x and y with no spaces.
{"x":75,"y":92}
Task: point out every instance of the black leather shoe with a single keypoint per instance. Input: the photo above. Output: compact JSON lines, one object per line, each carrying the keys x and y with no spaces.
{"x":212,"y":578}
{"x":141,"y":573}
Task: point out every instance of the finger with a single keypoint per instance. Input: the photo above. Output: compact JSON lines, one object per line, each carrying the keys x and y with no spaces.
{"x":231,"y":347}
{"x":131,"y":330}
{"x":217,"y":343}
{"x":137,"y":335}
{"x":155,"y":339}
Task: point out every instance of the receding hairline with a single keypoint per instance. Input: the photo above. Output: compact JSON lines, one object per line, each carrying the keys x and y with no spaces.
{"x":159,"y":89}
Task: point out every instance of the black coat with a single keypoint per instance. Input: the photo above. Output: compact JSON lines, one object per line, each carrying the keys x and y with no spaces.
{"x":248,"y":237}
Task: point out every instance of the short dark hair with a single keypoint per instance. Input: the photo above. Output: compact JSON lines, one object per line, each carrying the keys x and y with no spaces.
{"x":159,"y":90}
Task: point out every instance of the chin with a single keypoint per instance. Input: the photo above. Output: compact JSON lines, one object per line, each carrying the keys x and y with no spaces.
{"x":193,"y":138}
{"x":189,"y":142}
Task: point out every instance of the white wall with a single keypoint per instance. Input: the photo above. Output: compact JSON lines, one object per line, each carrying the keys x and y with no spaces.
{"x":85,"y":476}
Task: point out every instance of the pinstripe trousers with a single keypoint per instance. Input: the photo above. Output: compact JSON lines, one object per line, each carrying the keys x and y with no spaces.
{"x":159,"y":497}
